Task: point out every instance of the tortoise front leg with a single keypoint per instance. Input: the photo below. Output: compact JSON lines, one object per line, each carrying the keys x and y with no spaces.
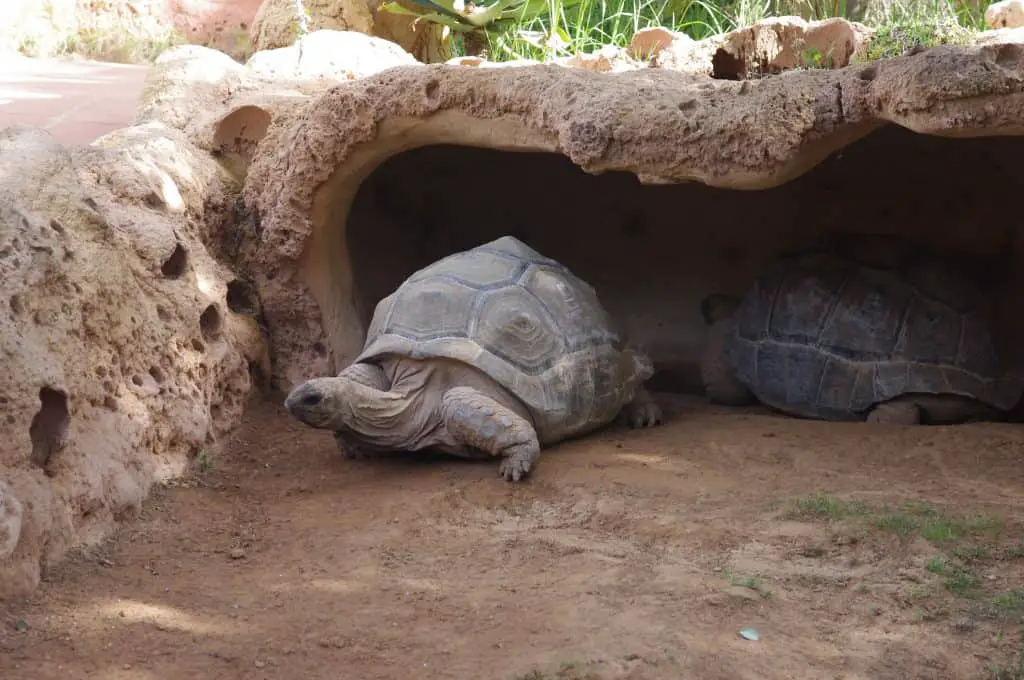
{"x":642,"y":411}
{"x":479,"y":422}
{"x":898,"y":411}
{"x":370,"y":375}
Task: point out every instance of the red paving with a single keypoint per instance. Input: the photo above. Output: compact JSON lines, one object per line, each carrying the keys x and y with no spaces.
{"x":77,"y":101}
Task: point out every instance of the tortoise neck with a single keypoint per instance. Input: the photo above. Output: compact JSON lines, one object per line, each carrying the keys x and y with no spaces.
{"x":377,"y":416}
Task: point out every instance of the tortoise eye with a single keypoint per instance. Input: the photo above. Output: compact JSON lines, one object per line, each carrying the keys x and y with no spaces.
{"x":311,"y":399}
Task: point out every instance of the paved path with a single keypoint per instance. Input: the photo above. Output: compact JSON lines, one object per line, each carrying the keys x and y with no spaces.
{"x":77,"y":101}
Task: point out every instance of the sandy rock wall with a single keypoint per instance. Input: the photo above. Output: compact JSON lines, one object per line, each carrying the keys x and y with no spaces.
{"x":277,"y":24}
{"x":131,"y":340}
{"x":663,"y":126}
{"x":123,"y":358}
{"x":222,"y":24}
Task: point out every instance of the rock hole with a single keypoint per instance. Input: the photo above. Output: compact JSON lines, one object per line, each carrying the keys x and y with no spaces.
{"x":110,"y":403}
{"x":210,"y":323}
{"x":241,"y":131}
{"x":101,"y":371}
{"x":158,"y":374}
{"x":17,"y":306}
{"x":50,"y":426}
{"x":91,"y":203}
{"x":175,"y":265}
{"x":868,"y":73}
{"x":137,"y":379}
{"x":198,"y":345}
{"x":431,"y":89}
{"x":688,"y":105}
{"x":725,"y":66}
{"x":1009,"y":55}
{"x":319,"y":348}
{"x":57,"y":227}
{"x":259,"y":378}
{"x":154,"y":201}
{"x":242,"y":298}
{"x":162,"y":313}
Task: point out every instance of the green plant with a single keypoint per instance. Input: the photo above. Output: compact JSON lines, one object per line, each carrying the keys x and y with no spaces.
{"x":542,"y":29}
{"x":816,"y":10}
{"x":825,"y":506}
{"x":204,"y":461}
{"x":1013,"y":671}
{"x":301,"y":25}
{"x":750,"y":582}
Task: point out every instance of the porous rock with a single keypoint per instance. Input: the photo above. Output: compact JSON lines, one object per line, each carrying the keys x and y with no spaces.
{"x":1005,"y":14}
{"x":343,"y":55}
{"x":122,"y":357}
{"x":662,"y":125}
{"x":768,"y":46}
{"x":192,"y":88}
{"x":276,"y":25}
{"x":126,"y":355}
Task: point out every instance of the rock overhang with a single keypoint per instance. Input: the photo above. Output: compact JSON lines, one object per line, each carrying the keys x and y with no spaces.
{"x":663,"y":126}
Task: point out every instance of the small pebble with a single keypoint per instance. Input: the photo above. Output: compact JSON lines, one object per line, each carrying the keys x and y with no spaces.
{"x":237,"y":553}
{"x":749,"y":634}
{"x":963,"y":625}
{"x":259,"y":664}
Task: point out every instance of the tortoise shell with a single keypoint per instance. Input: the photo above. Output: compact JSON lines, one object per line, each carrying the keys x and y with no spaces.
{"x":822,"y":336}
{"x":525,"y":321}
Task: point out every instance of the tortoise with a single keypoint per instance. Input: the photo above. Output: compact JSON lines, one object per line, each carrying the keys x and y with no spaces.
{"x":493,"y":351}
{"x":824,"y":336}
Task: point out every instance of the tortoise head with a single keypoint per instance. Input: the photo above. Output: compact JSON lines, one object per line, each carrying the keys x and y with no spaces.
{"x":354,"y":411}
{"x":319,"y":403}
{"x":718,"y":306}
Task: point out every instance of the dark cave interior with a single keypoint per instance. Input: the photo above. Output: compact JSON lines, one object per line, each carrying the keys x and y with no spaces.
{"x":654,"y":252}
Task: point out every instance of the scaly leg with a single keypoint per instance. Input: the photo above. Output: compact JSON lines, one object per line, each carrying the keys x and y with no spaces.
{"x":896,"y":412}
{"x":371,"y":376}
{"x":643,"y":411}
{"x":479,"y":422}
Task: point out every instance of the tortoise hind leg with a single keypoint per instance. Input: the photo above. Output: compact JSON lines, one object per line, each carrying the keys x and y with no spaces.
{"x":479,"y":422}
{"x":933,"y":409}
{"x":898,"y":411}
{"x":642,"y":411}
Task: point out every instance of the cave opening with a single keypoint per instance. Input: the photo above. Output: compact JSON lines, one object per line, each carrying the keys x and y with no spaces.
{"x":654,"y":252}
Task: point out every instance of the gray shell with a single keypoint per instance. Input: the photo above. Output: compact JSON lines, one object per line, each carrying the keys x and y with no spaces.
{"x":524,"y":320}
{"x":824,"y":337}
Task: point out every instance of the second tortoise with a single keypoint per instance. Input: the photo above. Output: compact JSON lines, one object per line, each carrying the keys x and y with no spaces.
{"x":824,"y":336}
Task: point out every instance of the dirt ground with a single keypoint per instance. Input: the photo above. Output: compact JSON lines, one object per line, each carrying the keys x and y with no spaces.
{"x":854,"y":551}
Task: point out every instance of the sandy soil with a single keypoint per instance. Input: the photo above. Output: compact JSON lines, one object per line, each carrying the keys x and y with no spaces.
{"x":627,"y":555}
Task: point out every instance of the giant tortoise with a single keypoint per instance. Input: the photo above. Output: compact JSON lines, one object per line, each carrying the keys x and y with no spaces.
{"x":494,"y":351}
{"x":824,"y":336}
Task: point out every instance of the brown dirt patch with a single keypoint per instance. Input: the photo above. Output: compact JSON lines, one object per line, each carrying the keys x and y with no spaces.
{"x":626,"y":555}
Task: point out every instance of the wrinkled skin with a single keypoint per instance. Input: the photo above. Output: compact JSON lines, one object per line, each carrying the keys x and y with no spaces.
{"x":411,"y":405}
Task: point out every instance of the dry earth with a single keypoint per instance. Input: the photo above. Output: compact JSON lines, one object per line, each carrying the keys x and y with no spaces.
{"x":627,"y":555}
